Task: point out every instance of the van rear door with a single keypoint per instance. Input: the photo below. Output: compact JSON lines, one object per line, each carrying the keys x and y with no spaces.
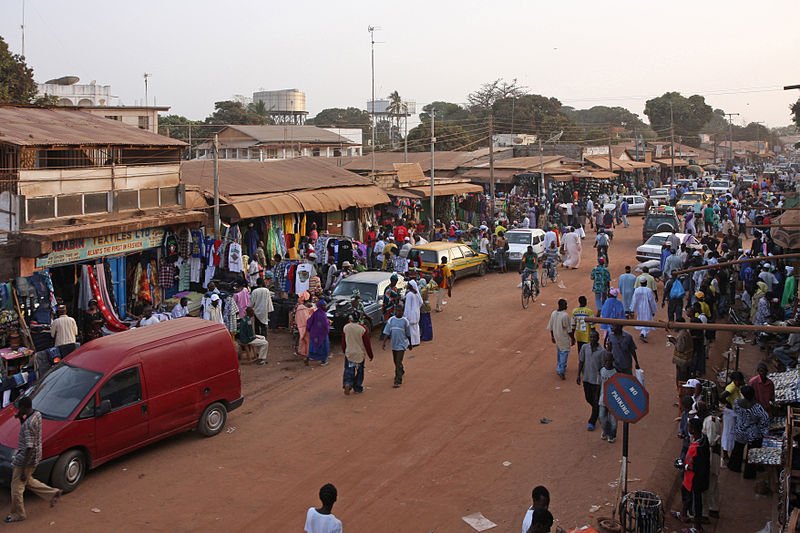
{"x":172,"y":372}
{"x":125,"y":426}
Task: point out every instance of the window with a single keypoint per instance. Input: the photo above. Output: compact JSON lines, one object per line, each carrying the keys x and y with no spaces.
{"x":62,"y":389}
{"x":148,"y":198}
{"x":169,"y":195}
{"x":144,"y":123}
{"x":70,"y":205}
{"x":95,"y":203}
{"x":455,"y":253}
{"x":127,"y":200}
{"x":122,"y":389}
{"x":40,"y":208}
{"x":315,"y":152}
{"x":337,"y":152}
{"x":467,"y":251}
{"x":113,"y":117}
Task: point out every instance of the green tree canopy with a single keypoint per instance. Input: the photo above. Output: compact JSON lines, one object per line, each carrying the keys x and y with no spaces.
{"x":16,"y":78}
{"x":795,"y":108}
{"x":231,"y":112}
{"x":338,"y":117}
{"x":689,"y":115}
{"x":532,"y":113}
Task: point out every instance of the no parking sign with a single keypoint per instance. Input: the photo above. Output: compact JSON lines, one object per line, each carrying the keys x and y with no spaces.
{"x":626,"y":398}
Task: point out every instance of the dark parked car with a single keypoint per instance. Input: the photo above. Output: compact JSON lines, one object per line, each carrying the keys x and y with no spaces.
{"x":659,"y":219}
{"x":371,"y":286}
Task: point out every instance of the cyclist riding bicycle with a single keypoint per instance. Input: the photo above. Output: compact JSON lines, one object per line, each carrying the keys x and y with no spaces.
{"x":529,"y":266}
{"x":601,"y":243}
{"x":551,"y":259}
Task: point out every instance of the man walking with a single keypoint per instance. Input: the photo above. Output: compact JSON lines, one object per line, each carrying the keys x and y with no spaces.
{"x":623,"y":349}
{"x":627,"y":284}
{"x":645,"y":306}
{"x":26,"y":459}
{"x":673,"y":296}
{"x":561,"y":335}
{"x":579,"y":326}
{"x":601,"y":278}
{"x":247,"y":336}
{"x":356,"y":347}
{"x":590,"y":362}
{"x":398,"y":329}
{"x":321,"y":519}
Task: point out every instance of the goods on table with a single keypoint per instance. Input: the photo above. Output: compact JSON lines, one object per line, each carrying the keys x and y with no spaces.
{"x":785,"y":385}
{"x":765,"y":456}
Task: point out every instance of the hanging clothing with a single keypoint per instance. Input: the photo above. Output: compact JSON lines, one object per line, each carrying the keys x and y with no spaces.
{"x":235,"y":261}
{"x":242,"y":299}
{"x":304,"y":272}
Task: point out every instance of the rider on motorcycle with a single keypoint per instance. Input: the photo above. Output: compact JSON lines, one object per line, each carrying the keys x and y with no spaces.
{"x":601,"y":243}
{"x":529,"y":266}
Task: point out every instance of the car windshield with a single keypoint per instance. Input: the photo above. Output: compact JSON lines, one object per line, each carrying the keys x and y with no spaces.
{"x":657,"y":240}
{"x":658,"y":191}
{"x":653,"y":222}
{"x":346,"y":288}
{"x":693,"y":196}
{"x":720,"y":184}
{"x":62,"y":389}
{"x":521,"y":237}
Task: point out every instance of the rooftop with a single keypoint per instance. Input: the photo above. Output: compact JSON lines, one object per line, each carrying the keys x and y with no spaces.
{"x":47,"y":126}
{"x":281,"y":133}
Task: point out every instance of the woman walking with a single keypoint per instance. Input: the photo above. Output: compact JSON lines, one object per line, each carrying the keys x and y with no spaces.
{"x":425,"y":323}
{"x":302,"y":312}
{"x":412,"y":311}
{"x":318,"y":325}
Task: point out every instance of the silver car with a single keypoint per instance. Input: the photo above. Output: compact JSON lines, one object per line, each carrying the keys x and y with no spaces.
{"x":635,"y":203}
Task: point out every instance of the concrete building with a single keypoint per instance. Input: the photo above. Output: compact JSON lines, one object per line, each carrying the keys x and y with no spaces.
{"x":282,"y":142}
{"x":71,"y":93}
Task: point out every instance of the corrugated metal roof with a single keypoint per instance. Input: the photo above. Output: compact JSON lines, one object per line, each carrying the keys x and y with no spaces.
{"x":39,"y":126}
{"x":288,"y":133}
{"x":385,"y":161}
{"x":319,"y":200}
{"x":261,"y":177}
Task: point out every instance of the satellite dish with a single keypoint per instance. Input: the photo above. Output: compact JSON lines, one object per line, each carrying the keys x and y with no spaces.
{"x":64,"y":80}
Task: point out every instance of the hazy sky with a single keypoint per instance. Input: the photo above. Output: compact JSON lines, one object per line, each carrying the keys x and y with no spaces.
{"x":737,"y":53}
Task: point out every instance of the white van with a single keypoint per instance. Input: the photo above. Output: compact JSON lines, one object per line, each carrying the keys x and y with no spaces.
{"x":520,"y":239}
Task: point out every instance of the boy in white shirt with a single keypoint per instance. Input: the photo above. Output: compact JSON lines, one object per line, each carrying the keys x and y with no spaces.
{"x":322,"y":520}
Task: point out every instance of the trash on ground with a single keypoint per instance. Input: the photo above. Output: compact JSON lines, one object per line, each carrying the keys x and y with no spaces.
{"x":544,"y":420}
{"x":95,"y":510}
{"x":230,"y":429}
{"x":478,"y":522}
{"x":460,"y":317}
{"x":506,"y":390}
{"x":561,"y":285}
{"x":506,"y":463}
{"x":594,"y":508}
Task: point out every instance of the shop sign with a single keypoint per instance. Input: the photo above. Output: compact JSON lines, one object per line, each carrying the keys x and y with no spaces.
{"x":89,"y":248}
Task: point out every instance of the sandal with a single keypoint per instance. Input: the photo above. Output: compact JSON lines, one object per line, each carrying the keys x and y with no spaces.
{"x":9,"y":519}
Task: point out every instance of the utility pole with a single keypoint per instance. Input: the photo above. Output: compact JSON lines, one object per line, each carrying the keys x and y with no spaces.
{"x":433,"y":169}
{"x":541,"y":168}
{"x":146,"y":100}
{"x":22,"y":27}
{"x":672,"y":142}
{"x":610,"y":164}
{"x":190,"y":141}
{"x":491,"y":165}
{"x":405,"y":133}
{"x":371,"y":30}
{"x":216,"y":186}
{"x":758,"y":138}
{"x":730,"y":136}
{"x":715,"y":148}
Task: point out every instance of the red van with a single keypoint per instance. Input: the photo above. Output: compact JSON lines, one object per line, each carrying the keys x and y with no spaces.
{"x":124,"y":391}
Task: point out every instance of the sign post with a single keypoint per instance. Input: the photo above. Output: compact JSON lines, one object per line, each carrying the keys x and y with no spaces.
{"x":629,"y":402}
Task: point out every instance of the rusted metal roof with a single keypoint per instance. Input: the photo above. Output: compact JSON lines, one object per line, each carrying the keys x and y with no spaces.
{"x":263,"y":177}
{"x":318,"y":200}
{"x":385,"y":161}
{"x":39,"y":126}
{"x":448,"y":189}
{"x":289,"y":133}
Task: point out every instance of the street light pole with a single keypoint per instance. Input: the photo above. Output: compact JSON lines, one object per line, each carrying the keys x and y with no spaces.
{"x":433,"y":169}
{"x":371,"y":30}
{"x":730,"y":136}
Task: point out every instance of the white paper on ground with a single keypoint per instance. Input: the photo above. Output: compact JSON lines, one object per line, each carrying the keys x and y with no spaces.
{"x":478,"y":522}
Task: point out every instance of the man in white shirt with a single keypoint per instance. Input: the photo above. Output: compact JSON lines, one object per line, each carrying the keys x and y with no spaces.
{"x":541,"y":501}
{"x":483,"y":244}
{"x":377,"y":252}
{"x":181,"y":308}
{"x":405,"y":248}
{"x":549,"y":237}
{"x":261,"y":301}
{"x":321,"y":519}
{"x":215,"y":309}
{"x":147,"y":317}
{"x":205,"y":303}
{"x":64,"y":329}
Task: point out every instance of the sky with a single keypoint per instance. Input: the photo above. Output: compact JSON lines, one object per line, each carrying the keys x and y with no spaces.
{"x":738,"y":54}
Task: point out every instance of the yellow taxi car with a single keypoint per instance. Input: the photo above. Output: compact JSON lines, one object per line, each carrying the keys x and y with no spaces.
{"x":462,"y":260}
{"x":689,"y":199}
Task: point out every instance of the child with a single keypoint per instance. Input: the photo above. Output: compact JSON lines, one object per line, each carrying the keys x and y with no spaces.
{"x":607,"y":421}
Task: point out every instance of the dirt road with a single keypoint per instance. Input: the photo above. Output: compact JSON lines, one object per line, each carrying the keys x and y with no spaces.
{"x":414,"y":459}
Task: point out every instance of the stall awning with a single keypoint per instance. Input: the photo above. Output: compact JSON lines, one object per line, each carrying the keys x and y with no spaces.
{"x":318,"y":200}
{"x":402,"y":193}
{"x":668,"y":162}
{"x":596,"y":174}
{"x":448,"y":189}
{"x":36,"y":242}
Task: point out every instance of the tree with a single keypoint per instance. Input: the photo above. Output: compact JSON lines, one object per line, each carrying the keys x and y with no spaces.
{"x":532,"y":113}
{"x":16,"y":78}
{"x":259,"y":109}
{"x":482,"y":100}
{"x":189,"y":131}
{"x":717,"y":124}
{"x":337,"y":117}
{"x":456,"y":128}
{"x":594,"y":119}
{"x":231,"y":112}
{"x":795,"y":108}
{"x":689,"y":115}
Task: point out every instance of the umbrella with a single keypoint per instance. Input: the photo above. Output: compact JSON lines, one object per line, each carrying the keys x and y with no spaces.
{"x":787,"y":238}
{"x":697,"y":169}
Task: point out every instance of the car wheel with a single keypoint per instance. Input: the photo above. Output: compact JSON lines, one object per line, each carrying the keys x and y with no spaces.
{"x":368,"y":324}
{"x":69,"y":470}
{"x":212,"y":420}
{"x":482,"y":269}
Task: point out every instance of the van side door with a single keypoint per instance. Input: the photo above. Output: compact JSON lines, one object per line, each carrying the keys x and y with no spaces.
{"x":125,"y":426}
{"x":171,"y":387}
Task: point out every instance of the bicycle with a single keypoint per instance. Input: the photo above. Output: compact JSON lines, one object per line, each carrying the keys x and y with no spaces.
{"x":530,"y":289}
{"x":550,"y":272}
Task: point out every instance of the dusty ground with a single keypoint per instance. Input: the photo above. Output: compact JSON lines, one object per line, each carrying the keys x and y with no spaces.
{"x":414,"y":459}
